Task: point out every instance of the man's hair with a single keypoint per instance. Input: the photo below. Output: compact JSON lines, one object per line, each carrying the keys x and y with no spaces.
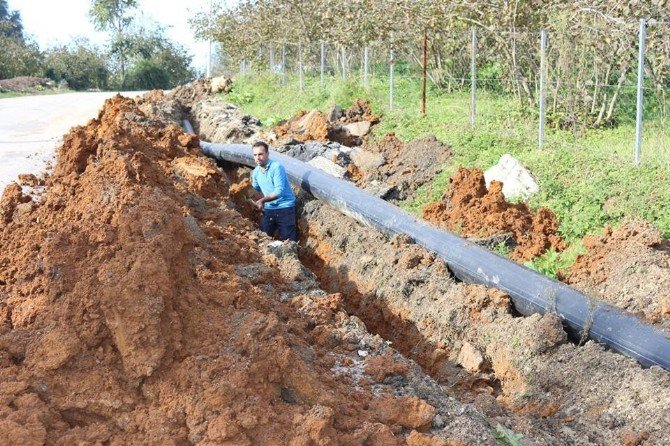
{"x":261,"y":144}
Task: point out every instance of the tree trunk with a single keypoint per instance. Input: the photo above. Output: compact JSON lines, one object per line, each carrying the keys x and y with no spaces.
{"x":622,"y":79}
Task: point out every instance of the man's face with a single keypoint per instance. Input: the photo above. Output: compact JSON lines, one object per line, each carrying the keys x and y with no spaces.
{"x":261,"y":156}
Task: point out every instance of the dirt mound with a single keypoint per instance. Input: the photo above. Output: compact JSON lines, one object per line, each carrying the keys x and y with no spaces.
{"x":360,"y":110}
{"x":303,"y":127}
{"x":404,"y":167}
{"x":348,"y":127}
{"x":26,"y":84}
{"x":628,"y":267}
{"x":212,"y":118}
{"x":190,"y":94}
{"x":159,"y":106}
{"x":219,"y":122}
{"x":137,"y":307}
{"x":472,"y":211}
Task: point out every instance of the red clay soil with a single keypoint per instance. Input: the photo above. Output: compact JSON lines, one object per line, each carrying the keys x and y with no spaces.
{"x":316,"y":126}
{"x":473,"y":211}
{"x":628,"y":267}
{"x":124,"y":318}
{"x":305,"y":126}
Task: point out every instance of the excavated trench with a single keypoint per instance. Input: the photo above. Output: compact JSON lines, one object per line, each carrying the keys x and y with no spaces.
{"x":521,"y":372}
{"x":138,"y":306}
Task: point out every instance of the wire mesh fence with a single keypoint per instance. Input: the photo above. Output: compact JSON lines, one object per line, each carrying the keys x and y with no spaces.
{"x":567,"y":81}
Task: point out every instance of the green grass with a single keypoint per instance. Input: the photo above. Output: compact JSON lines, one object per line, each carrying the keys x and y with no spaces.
{"x":16,"y":94}
{"x":10,"y":94}
{"x":551,"y":262}
{"x":588,"y":180}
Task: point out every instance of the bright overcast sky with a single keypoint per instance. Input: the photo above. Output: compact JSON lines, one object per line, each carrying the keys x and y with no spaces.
{"x":52,"y":22}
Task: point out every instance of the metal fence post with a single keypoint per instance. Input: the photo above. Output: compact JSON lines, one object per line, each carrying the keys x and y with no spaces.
{"x":302,"y":80}
{"x":640,"y":83}
{"x":366,"y":83}
{"x":391,"y":85}
{"x":283,"y":64}
{"x":473,"y":78}
{"x":344,"y":64}
{"x":543,"y":86}
{"x":209,"y":42}
{"x":323,"y":63}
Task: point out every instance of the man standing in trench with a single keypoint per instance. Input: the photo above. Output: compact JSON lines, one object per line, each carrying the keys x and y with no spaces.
{"x":278,"y":202}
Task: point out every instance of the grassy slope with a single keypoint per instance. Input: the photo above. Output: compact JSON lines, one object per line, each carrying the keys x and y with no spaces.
{"x":588,"y":181}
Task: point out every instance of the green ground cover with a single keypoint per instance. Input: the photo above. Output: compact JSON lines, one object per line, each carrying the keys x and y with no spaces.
{"x":9,"y":94}
{"x":587,"y":179}
{"x":14,"y":94}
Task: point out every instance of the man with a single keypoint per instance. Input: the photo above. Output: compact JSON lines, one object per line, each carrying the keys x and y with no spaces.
{"x":278,"y":201}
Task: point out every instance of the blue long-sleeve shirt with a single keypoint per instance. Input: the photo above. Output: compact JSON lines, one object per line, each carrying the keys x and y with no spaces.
{"x":273,"y":181}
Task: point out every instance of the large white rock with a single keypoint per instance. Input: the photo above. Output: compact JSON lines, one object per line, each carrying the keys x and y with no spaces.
{"x":323,"y":163}
{"x":517,"y":181}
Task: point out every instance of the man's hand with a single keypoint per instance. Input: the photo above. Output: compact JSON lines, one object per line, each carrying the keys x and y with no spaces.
{"x":259,"y":204}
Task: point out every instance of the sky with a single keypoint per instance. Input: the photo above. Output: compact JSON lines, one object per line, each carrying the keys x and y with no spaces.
{"x":52,"y":22}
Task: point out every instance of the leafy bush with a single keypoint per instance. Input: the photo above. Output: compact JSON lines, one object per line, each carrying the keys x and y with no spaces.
{"x":80,"y":65}
{"x":156,"y":62}
{"x":146,"y":75}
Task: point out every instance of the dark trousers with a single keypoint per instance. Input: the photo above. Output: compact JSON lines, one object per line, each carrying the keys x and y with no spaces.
{"x":282,"y":219}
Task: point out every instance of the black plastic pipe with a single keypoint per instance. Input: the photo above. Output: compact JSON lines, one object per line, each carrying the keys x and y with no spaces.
{"x":530,"y":291}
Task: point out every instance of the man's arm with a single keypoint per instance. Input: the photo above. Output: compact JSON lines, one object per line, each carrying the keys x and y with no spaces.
{"x":265,"y":199}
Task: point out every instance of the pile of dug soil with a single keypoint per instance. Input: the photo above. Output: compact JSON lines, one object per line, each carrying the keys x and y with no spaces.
{"x":212,"y":118}
{"x":471,"y":210}
{"x":404,"y":167}
{"x":26,"y":84}
{"x":629,"y":268}
{"x":217,"y":121}
{"x":172,"y":106}
{"x":137,"y":307}
{"x":348,"y":127}
{"x":190,"y":94}
{"x":162,"y":107}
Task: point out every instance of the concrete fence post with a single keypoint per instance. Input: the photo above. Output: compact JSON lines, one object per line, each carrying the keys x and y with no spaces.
{"x":543,"y":87}
{"x":640,"y":92}
{"x":473,"y":78}
{"x":323,"y":64}
{"x":283,"y":64}
{"x":391,"y":80}
{"x":300,"y":74}
{"x":366,"y":82}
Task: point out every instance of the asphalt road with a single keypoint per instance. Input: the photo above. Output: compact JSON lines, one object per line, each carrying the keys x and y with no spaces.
{"x":32,"y":128}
